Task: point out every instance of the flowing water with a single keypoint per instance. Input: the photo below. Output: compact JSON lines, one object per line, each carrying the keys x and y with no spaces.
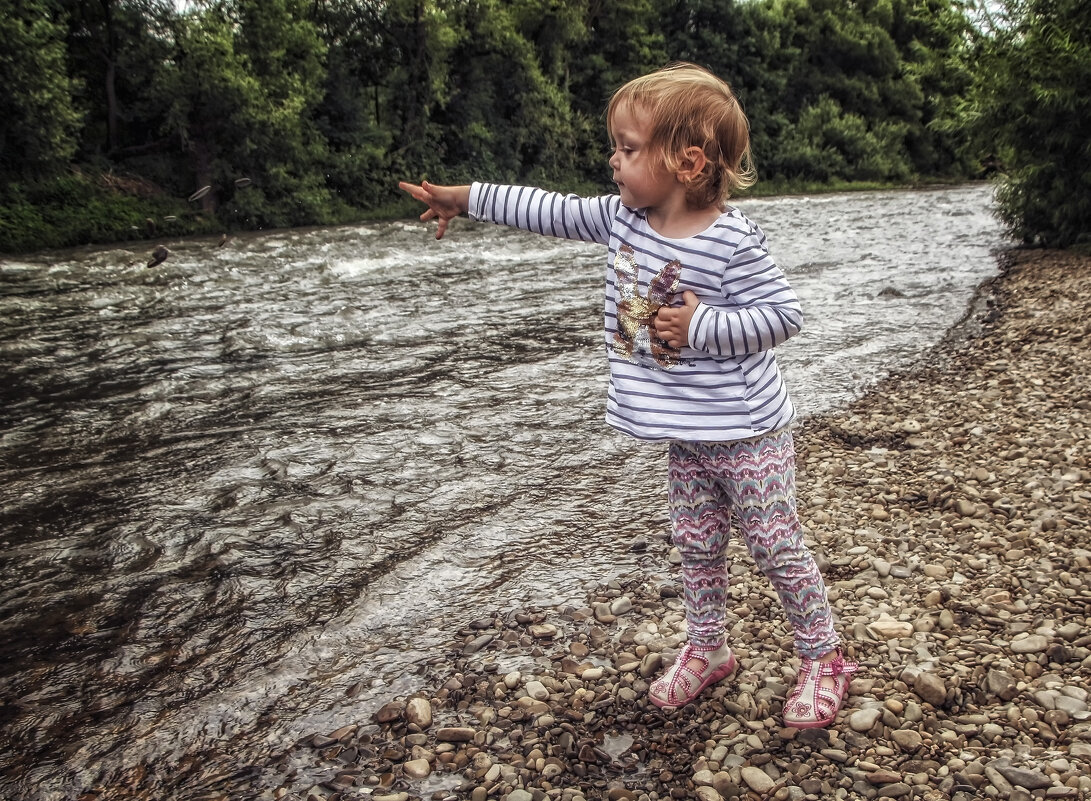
{"x":247,"y":493}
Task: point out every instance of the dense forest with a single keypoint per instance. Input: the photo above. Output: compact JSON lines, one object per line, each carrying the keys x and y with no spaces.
{"x":131,"y":118}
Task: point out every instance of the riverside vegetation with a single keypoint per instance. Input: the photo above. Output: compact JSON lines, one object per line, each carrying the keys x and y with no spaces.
{"x":950,"y":507}
{"x":135,"y":119}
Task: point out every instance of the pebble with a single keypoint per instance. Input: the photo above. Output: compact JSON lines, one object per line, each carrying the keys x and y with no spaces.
{"x":418,"y":711}
{"x":455,"y":734}
{"x":887,"y":628}
{"x":908,"y":740}
{"x":948,"y":510}
{"x":417,"y":768}
{"x":536,"y":690}
{"x":757,"y":779}
{"x":863,"y":719}
{"x":1029,"y":644}
{"x":931,"y":688}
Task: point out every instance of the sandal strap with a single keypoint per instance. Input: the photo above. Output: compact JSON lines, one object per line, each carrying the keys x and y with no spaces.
{"x":836,"y":667}
{"x":808,"y":683}
{"x":810,"y":704}
{"x":681,"y":673}
{"x":680,"y":667}
{"x":829,"y":699}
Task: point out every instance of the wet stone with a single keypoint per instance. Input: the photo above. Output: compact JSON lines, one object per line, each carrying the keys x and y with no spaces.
{"x":390,"y":712}
{"x":477,"y":643}
{"x":455,"y":734}
{"x":417,"y":768}
{"x":418,"y":711}
{"x":543,"y":631}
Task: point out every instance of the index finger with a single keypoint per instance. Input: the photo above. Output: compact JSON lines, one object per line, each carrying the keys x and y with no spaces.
{"x":418,"y":192}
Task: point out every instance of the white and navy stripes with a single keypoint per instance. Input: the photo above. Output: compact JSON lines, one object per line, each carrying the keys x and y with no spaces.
{"x":726,"y":385}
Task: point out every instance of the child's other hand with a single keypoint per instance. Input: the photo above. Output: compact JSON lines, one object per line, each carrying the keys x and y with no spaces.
{"x":444,"y":202}
{"x":672,"y":324}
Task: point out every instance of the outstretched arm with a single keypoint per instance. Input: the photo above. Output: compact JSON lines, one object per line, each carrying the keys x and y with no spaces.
{"x":444,"y":202}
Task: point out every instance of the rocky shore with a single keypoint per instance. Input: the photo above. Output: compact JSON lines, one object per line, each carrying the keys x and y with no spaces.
{"x":951,"y":512}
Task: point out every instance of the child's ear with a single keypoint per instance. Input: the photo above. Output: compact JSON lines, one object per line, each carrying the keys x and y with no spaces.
{"x":692,"y":164}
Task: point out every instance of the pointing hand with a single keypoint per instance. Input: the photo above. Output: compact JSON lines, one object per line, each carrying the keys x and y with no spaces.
{"x":444,"y":202}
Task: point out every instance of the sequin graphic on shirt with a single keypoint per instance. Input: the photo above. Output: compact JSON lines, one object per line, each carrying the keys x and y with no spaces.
{"x":635,"y":338}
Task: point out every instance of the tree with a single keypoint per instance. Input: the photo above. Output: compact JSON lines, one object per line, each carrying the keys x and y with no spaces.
{"x":40,"y":122}
{"x":243,"y":84}
{"x":554,"y":28}
{"x":117,"y":47}
{"x":744,"y":44}
{"x":622,"y":42}
{"x":504,"y":119}
{"x":418,"y":37}
{"x":932,"y":37}
{"x":828,"y":143}
{"x":351,"y":115}
{"x":1030,"y":109}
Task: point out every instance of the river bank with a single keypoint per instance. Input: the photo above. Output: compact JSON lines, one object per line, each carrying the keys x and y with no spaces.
{"x":87,"y":207}
{"x":950,"y":509}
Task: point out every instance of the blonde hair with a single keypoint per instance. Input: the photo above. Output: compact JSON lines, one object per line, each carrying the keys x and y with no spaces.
{"x":689,"y":106}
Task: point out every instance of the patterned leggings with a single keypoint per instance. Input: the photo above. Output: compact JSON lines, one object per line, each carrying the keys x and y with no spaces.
{"x":753,"y":482}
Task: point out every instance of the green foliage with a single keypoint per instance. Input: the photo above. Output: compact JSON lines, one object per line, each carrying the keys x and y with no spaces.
{"x":310,"y":111}
{"x":1030,"y":108}
{"x":420,"y":38}
{"x":828,"y":143}
{"x":244,"y":84}
{"x":502,"y":114}
{"x":39,"y":124}
{"x":835,"y":90}
{"x":350,"y":117}
{"x":932,"y":36}
{"x":75,"y":209}
{"x":623,"y":42}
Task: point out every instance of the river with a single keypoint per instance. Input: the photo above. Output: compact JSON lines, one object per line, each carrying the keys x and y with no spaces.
{"x":247,"y":493}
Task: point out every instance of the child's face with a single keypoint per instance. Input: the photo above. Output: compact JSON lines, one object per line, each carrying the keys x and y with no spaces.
{"x":640,"y":177}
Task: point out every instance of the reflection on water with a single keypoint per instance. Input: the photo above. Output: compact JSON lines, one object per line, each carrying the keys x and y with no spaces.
{"x":246,"y":493}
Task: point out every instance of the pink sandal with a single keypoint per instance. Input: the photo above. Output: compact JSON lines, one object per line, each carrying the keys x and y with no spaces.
{"x":681,"y":684}
{"x":812,"y":706}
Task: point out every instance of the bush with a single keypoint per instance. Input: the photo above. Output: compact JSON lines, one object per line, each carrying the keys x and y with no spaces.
{"x":75,"y":209}
{"x":829,"y":144}
{"x":1030,"y":109}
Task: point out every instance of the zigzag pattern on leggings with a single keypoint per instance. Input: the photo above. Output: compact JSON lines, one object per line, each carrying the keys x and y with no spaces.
{"x":750,"y":483}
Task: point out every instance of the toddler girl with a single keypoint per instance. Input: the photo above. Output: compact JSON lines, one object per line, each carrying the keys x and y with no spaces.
{"x":695,"y":305}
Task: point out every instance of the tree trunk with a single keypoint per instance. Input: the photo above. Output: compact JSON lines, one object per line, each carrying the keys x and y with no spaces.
{"x":202,"y":162}
{"x":111,"y":105}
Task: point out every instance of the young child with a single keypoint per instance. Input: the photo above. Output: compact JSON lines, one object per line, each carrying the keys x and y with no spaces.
{"x":695,"y":305}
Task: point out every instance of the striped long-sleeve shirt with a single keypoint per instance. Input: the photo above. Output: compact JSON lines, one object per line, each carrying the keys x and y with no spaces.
{"x":725,"y":384}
